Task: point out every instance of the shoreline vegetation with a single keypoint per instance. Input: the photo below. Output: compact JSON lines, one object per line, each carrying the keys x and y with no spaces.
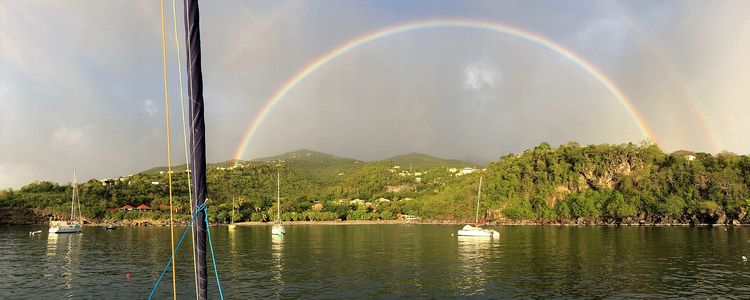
{"x":164,"y":223}
{"x":569,"y":185}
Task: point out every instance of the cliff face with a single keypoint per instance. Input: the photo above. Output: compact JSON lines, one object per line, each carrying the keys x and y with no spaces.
{"x":19,"y":216}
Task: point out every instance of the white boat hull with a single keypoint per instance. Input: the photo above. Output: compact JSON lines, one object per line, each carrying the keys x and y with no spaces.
{"x":479,"y":233}
{"x":469,"y":230}
{"x":64,"y":227}
{"x":278,"y":230}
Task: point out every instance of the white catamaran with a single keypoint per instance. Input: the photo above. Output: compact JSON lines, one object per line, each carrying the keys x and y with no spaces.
{"x":278,"y":228}
{"x":470,"y":230}
{"x":74,"y":224}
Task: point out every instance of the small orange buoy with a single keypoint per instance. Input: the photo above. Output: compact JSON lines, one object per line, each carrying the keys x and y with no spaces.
{"x":127,"y":276}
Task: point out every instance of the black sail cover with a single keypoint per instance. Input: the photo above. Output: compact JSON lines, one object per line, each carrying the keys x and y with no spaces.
{"x":197,"y":137}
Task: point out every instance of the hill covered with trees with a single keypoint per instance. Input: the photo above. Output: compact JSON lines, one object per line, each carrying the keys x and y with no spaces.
{"x":569,"y":184}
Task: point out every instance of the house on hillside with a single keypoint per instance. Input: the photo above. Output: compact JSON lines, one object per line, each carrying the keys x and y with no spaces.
{"x":107,"y":181}
{"x":467,"y":170}
{"x":127,"y":207}
{"x":690,"y":157}
{"x":143,"y":207}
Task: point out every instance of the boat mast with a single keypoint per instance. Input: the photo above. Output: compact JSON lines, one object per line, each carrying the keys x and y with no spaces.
{"x":197,"y":137}
{"x":479,"y":194}
{"x":74,"y":198}
{"x":278,"y":195}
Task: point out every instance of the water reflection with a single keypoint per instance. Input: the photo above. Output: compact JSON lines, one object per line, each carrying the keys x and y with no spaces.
{"x":62,"y":252}
{"x":277,"y":248}
{"x":388,"y":261}
{"x":473,"y":258}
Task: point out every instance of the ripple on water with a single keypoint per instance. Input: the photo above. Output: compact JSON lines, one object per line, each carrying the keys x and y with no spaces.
{"x":391,"y":261}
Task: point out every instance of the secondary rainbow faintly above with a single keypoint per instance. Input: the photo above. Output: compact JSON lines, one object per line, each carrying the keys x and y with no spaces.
{"x":441,"y":23}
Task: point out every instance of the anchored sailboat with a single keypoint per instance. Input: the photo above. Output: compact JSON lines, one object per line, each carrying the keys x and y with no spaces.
{"x":74,"y":224}
{"x":231,"y":225}
{"x":470,"y":230}
{"x":278,"y":228}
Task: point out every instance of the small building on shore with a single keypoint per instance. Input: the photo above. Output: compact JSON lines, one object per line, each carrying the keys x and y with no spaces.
{"x":143,"y":207}
{"x":127,"y":207}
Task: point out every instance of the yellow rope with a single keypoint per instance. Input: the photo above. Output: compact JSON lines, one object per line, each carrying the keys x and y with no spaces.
{"x":185,"y":143}
{"x":169,"y":149}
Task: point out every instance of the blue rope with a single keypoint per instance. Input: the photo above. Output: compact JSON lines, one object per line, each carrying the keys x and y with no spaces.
{"x":213,"y":258}
{"x":184,"y":233}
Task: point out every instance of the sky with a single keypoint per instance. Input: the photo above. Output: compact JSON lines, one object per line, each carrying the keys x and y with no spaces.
{"x":81,"y":81}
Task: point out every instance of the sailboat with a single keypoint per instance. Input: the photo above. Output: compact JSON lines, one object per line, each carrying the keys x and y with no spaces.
{"x":476,"y":230}
{"x":232,"y":226}
{"x":278,"y":228}
{"x":74,"y":224}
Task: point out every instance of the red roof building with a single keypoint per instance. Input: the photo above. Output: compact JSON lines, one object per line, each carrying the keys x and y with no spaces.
{"x":143,"y":207}
{"x":126,"y":207}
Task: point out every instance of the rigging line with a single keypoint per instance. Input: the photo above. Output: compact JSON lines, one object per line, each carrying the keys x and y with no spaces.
{"x":185,"y":142}
{"x":169,"y":146}
{"x":213,"y":257}
{"x":170,"y":261}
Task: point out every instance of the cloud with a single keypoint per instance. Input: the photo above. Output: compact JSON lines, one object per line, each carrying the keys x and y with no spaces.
{"x":150,"y":108}
{"x":480,"y":76}
{"x":70,"y":136}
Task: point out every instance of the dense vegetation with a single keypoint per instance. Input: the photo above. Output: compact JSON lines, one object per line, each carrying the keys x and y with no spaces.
{"x":569,"y":184}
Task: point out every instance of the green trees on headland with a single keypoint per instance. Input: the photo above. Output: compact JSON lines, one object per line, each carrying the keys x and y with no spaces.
{"x":568,"y":184}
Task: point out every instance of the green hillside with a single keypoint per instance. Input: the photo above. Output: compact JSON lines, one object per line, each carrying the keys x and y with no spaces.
{"x":568,"y":184}
{"x":424,"y":161}
{"x":316,"y":166}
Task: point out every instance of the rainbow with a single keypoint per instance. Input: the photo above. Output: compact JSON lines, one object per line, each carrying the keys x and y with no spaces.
{"x":440,"y":23}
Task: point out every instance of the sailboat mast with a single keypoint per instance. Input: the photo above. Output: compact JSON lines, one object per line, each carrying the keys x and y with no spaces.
{"x":73,"y":198}
{"x":479,"y":194}
{"x":278,"y":195}
{"x":197,"y":137}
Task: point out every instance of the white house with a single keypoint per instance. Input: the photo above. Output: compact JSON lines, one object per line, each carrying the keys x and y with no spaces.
{"x":467,"y":170}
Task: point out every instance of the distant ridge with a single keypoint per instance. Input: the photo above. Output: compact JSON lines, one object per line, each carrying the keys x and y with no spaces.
{"x":306,"y":155}
{"x":476,"y":160}
{"x":424,"y":161}
{"x":307,"y":160}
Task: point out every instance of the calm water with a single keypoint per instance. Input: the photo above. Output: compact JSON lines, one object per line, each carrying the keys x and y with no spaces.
{"x":386,"y":261}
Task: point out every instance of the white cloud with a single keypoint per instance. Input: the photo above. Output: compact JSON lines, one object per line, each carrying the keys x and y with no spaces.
{"x":478,"y":76}
{"x":70,"y":136}
{"x":150,"y":108}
